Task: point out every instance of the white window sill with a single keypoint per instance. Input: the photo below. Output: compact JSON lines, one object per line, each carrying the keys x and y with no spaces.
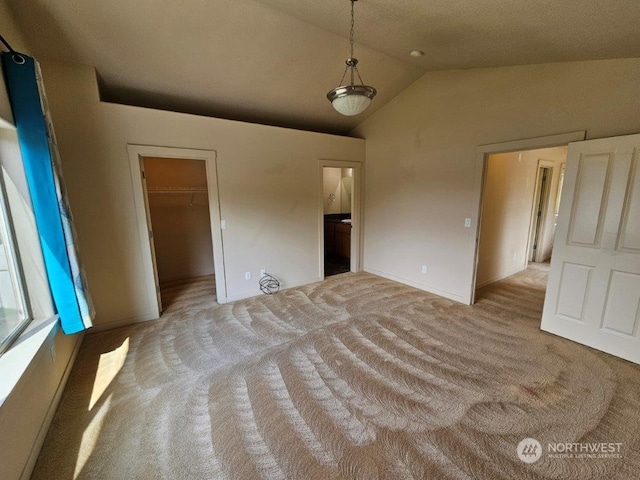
{"x":15,"y":361}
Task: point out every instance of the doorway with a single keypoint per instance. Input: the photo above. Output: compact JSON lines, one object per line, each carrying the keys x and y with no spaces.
{"x":339,"y":217}
{"x":542,"y":225}
{"x":184,"y":195}
{"x":180,"y":224}
{"x":337,"y":186}
{"x":517,"y":216}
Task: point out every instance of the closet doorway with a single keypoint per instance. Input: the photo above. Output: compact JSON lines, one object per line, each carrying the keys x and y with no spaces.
{"x":180,"y":225}
{"x":177,"y":206}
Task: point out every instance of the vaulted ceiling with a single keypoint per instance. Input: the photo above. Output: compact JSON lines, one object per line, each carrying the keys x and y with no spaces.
{"x":272,"y":61}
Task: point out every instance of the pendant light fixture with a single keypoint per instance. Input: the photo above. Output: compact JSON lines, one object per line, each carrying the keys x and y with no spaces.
{"x":351,"y":99}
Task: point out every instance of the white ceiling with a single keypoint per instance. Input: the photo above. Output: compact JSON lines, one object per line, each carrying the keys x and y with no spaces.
{"x":272,"y":61}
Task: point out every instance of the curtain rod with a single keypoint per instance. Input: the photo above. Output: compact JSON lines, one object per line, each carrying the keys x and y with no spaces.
{"x":15,"y":56}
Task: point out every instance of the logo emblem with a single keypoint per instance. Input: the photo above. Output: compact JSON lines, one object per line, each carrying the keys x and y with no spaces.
{"x":529,"y":450}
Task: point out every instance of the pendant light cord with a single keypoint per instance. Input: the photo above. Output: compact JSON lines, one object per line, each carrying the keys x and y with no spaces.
{"x":351,"y":38}
{"x":351,"y":62}
{"x":352,"y":27}
{"x":15,"y":56}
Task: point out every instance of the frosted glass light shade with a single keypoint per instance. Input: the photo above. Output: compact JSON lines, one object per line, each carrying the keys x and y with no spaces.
{"x":351,"y":99}
{"x":350,"y":105}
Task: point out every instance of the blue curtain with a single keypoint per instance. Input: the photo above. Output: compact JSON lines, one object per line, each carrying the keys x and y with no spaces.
{"x":44,"y":177}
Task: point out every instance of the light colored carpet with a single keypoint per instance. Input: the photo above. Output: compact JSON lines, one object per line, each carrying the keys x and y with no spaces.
{"x":178,"y":290}
{"x":356,"y":377}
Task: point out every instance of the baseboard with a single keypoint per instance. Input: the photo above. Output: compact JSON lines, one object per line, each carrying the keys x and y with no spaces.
{"x":283,"y":286}
{"x":53,"y":406}
{"x":176,"y":278}
{"x":441,"y":293}
{"x":502,"y":276}
{"x":230,"y":298}
{"x":123,"y":322}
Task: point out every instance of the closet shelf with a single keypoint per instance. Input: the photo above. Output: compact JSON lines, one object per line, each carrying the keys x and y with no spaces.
{"x":175,"y":190}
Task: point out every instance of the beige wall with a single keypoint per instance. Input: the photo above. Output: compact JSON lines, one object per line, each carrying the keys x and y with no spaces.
{"x":346,"y":190}
{"x":181,"y":223}
{"x":268,"y":185}
{"x":508,"y":200}
{"x":16,"y":39}
{"x":339,"y":182}
{"x":421,"y":155}
{"x":332,"y":191}
{"x":546,"y":247}
{"x":26,"y":412}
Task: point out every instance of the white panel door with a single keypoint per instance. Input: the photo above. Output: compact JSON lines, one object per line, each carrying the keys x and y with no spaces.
{"x":593,"y":294}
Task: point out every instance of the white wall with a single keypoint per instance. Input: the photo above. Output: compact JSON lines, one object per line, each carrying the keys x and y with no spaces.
{"x":421,"y":151}
{"x":268,"y":186}
{"x":509,"y":194}
{"x":26,"y":412}
{"x":181,"y":223}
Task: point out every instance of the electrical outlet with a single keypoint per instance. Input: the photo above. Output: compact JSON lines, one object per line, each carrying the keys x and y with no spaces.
{"x":263,"y":272}
{"x":223,"y":224}
{"x":424,"y":269}
{"x":247,"y":275}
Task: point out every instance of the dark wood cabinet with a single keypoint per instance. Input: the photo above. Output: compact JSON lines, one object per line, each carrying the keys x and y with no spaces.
{"x":329,"y":237}
{"x":343,"y":240}
{"x":337,"y":238}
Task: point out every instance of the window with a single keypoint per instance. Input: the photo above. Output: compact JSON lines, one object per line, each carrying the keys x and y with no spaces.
{"x":14,"y":314}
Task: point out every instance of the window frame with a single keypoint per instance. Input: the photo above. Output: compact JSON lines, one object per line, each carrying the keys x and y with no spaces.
{"x":14,"y":264}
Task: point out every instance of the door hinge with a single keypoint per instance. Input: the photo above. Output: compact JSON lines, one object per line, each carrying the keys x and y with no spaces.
{"x":150,"y":234}
{"x":144,"y":175}
{"x":157,"y":288}
{"x":539,"y":213}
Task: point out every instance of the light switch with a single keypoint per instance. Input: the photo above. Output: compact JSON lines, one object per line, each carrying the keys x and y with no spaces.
{"x":467,"y":223}
{"x":223,"y":224}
